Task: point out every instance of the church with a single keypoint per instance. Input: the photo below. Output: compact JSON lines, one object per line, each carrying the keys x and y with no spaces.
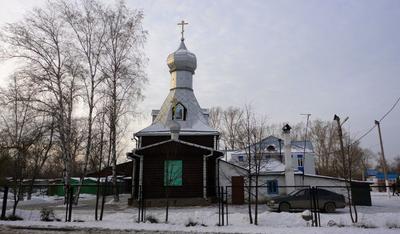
{"x":177,"y":159}
{"x":176,"y":156}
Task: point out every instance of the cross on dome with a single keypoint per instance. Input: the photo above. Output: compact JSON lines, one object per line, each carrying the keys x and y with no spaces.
{"x":182,"y":23}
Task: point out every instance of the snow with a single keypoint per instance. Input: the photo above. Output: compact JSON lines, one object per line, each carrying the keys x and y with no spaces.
{"x":382,"y":217}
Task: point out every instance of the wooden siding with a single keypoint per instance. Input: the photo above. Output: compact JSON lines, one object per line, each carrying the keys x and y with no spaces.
{"x":207,"y":141}
{"x":153,"y":171}
{"x":149,"y":140}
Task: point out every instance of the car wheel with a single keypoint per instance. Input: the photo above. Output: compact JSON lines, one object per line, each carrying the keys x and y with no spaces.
{"x":330,"y":207}
{"x":284,"y":207}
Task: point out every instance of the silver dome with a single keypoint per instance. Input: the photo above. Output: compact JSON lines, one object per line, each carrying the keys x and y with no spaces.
{"x":182,"y":59}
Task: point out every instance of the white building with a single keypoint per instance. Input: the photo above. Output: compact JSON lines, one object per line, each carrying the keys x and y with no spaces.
{"x":271,"y":151}
{"x":275,"y":177}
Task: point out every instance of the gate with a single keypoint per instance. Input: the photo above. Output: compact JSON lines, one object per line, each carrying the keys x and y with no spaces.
{"x":238,"y":190}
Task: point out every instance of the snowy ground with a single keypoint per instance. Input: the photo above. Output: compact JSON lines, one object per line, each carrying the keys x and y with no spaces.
{"x":382,"y":217}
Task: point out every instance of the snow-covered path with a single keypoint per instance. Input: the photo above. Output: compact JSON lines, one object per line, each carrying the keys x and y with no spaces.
{"x":382,"y":217}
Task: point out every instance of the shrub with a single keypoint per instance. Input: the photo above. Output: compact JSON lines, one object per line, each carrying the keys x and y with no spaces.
{"x":392,"y":224}
{"x":151,"y":219}
{"x":47,"y":215}
{"x":191,"y":223}
{"x":14,"y":218}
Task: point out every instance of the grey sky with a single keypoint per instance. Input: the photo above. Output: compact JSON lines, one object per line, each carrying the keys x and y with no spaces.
{"x":284,"y":57}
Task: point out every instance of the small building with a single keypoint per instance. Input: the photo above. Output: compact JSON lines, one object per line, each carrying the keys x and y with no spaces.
{"x":176,"y":155}
{"x":279,"y":173}
{"x":377,"y":178}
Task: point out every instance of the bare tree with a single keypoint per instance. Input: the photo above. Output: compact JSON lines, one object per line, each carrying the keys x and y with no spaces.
{"x":87,"y":24}
{"x":40,"y":152}
{"x":18,"y":120}
{"x":122,"y":67}
{"x":231,"y":119}
{"x":252,"y":130}
{"x":41,"y":45}
{"x":215,"y":117}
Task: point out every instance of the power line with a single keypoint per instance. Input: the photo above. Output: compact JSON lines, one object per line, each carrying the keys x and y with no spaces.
{"x":372,"y":128}
{"x":394,"y":105}
{"x":382,"y":118}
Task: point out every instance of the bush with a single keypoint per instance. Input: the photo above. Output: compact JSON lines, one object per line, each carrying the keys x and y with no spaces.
{"x":151,"y":219}
{"x":191,"y":223}
{"x":47,"y":215}
{"x":14,"y":218}
{"x":392,"y":224}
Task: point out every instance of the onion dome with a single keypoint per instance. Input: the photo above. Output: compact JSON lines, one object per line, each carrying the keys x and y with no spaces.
{"x":182,"y":60}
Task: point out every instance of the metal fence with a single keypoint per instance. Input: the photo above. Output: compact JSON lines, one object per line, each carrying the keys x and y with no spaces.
{"x":65,"y":202}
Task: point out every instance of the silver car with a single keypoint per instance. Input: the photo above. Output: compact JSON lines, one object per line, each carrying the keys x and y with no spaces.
{"x":328,"y":201}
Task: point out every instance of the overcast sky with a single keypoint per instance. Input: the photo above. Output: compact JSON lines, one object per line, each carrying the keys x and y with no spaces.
{"x":283,"y":57}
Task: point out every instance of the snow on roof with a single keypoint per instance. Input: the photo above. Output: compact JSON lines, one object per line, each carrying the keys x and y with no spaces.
{"x":194,"y":124}
{"x":296,"y":146}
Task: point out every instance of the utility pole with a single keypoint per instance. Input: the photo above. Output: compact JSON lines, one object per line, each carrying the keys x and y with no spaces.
{"x":346,"y":173}
{"x":341,"y":143}
{"x":383,"y":158}
{"x":305,"y":144}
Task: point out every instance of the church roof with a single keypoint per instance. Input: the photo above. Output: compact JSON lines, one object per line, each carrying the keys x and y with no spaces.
{"x":195,"y":121}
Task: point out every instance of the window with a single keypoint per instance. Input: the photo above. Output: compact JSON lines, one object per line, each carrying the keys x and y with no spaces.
{"x":240,"y":158}
{"x":300,"y":160}
{"x":179,"y":112}
{"x":271,"y":148}
{"x":173,"y":173}
{"x":272,"y":186}
{"x":301,"y":193}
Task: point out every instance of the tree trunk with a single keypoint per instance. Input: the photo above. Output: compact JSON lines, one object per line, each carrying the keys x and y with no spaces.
{"x":249,"y":201}
{"x":256,"y":203}
{"x":114,"y":139}
{"x":87,"y":153}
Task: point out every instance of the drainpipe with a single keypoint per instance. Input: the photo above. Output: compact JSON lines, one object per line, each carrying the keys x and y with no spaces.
{"x":133,"y":178}
{"x":205,"y":174}
{"x":132,"y":155}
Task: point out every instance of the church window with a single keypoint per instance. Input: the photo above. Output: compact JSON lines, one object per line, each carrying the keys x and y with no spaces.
{"x":173,"y":173}
{"x":272,"y":186}
{"x":179,"y":112}
{"x":271,"y":148}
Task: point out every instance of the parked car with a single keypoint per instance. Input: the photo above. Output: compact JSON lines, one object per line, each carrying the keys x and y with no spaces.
{"x":328,"y":201}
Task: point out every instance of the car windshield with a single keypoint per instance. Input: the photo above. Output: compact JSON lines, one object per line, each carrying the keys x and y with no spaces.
{"x":293,"y":192}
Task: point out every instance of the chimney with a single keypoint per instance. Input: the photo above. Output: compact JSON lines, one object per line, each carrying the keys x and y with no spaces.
{"x":175,"y":129}
{"x":289,"y":172}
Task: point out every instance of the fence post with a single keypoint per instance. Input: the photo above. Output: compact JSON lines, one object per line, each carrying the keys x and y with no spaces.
{"x":222,"y":206}
{"x":139,"y":203}
{"x":219,"y":205}
{"x":4,"y":208}
{"x":226,"y":200}
{"x":71,"y":200}
{"x":318,"y":209}
{"x":66,"y":195}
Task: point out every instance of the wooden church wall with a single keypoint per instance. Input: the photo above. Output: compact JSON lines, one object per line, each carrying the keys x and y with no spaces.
{"x":207,"y":141}
{"x":153,"y":171}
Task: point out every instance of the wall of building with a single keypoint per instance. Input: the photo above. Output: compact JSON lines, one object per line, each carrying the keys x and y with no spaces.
{"x":228,"y":170}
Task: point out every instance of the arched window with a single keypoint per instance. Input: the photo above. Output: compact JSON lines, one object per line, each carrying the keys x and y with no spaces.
{"x":179,"y":112}
{"x":271,"y":148}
